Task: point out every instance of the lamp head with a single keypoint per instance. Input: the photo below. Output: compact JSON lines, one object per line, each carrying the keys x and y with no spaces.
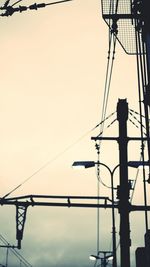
{"x":83,"y":164}
{"x":138,"y":164}
{"x":94,"y":257}
{"x":110,"y":258}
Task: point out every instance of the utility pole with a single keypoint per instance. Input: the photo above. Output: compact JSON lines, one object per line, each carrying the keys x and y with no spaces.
{"x":147,"y":248}
{"x":123,"y":189}
{"x":22,"y":203}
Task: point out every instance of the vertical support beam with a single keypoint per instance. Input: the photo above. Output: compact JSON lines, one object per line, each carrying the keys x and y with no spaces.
{"x":20,"y":222}
{"x":140,"y":256}
{"x":104,"y":262}
{"x":113,"y":224}
{"x":7,"y":251}
{"x":147,"y":248}
{"x":122,"y":117}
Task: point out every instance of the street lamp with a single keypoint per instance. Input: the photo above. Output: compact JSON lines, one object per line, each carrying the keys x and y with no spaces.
{"x":104,"y":258}
{"x":137,"y":164}
{"x":83,"y":164}
{"x":89,"y":164}
{"x":94,"y":257}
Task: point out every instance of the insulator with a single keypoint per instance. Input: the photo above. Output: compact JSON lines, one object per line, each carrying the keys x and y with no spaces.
{"x":41,"y":5}
{"x":36,"y":6}
{"x":22,"y":8}
{"x":114,"y":27}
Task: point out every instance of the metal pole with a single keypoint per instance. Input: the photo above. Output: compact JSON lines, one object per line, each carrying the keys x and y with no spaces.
{"x":122,"y":117}
{"x":105,"y":262}
{"x":113,"y":223}
{"x":113,"y":211}
{"x":7,"y":251}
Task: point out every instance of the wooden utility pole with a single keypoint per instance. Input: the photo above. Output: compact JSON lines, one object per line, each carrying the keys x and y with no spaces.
{"x":123,"y":189}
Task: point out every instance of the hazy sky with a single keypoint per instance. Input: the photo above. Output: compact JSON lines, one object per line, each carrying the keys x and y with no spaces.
{"x":52,"y":73}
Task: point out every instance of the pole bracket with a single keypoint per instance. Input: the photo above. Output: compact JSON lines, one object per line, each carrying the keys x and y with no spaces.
{"x":21,"y":212}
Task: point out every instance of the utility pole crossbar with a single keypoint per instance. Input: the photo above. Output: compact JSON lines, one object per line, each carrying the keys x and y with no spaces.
{"x":117,"y":138}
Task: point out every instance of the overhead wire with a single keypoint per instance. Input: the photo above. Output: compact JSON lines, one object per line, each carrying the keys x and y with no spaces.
{"x":109,"y":70}
{"x":133,"y":123}
{"x":101,"y":133}
{"x":46,"y":164}
{"x":135,"y":182}
{"x":141,"y":91}
{"x":137,"y":120}
{"x":99,"y":179}
{"x":15,"y":252}
{"x":9,"y":10}
{"x":138,"y":126}
{"x":58,"y":2}
{"x":111,"y":55}
{"x":98,"y":145}
{"x":137,"y":113}
{"x":105,"y":103}
{"x":99,"y":176}
{"x":106,"y":119}
{"x":17,"y":2}
{"x":108,"y":78}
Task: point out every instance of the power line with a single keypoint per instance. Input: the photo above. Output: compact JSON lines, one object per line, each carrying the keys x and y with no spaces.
{"x":137,"y":113}
{"x":139,"y":121}
{"x":16,"y":253}
{"x":9,"y":10}
{"x":54,"y":158}
{"x":101,"y":133}
{"x":142,"y":83}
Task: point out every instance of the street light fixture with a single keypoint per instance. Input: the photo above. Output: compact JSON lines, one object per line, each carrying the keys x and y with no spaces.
{"x":104,"y":258}
{"x":94,"y":257}
{"x":89,"y":164}
{"x":137,"y":164}
{"x":83,"y":164}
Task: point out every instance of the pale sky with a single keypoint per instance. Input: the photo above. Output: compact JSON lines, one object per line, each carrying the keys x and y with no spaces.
{"x":53,"y":65}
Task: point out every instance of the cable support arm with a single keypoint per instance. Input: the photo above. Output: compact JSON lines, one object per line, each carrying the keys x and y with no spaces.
{"x":50,"y":200}
{"x":23,"y":202}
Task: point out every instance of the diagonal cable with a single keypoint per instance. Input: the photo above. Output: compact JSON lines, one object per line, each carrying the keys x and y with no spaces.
{"x":53,"y":159}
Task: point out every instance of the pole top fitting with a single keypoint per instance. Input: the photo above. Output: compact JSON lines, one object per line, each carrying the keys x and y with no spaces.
{"x":122,"y":110}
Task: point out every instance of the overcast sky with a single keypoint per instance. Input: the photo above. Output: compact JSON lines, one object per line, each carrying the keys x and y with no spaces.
{"x":52,"y":74}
